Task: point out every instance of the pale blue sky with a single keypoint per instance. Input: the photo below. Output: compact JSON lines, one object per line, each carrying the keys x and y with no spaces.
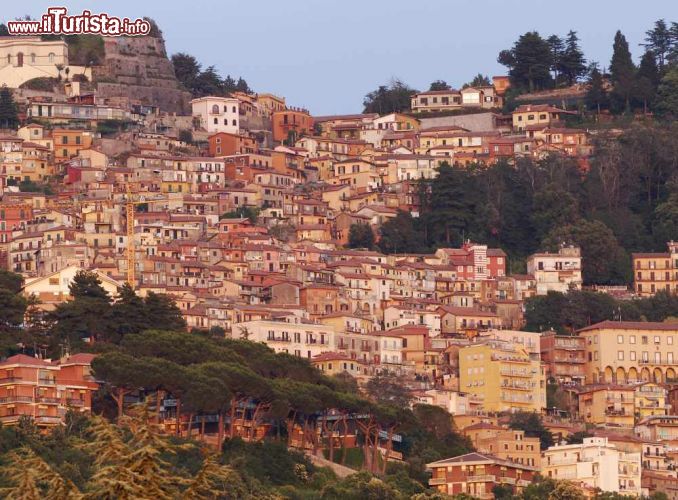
{"x":327,"y":54}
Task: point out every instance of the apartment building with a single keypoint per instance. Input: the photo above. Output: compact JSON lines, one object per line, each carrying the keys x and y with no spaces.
{"x":564,"y":357}
{"x":476,"y":474}
{"x":621,"y":351}
{"x":217,"y":114}
{"x":504,"y":376}
{"x":528,"y":115}
{"x":507,"y":444}
{"x":305,"y":340}
{"x":653,"y":272}
{"x":44,"y":391}
{"x":594,"y":463}
{"x":558,"y":272}
{"x":291,"y":123}
{"x":608,"y":405}
{"x":650,"y":400}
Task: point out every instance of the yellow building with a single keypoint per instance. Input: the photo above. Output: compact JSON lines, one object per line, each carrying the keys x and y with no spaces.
{"x":68,"y":142}
{"x":504,"y":376}
{"x":508,"y":444}
{"x":175,"y":187}
{"x":628,"y":351}
{"x":650,"y":400}
{"x":529,"y":115}
{"x":335,"y":363}
{"x":656,"y":271}
{"x":609,"y":405}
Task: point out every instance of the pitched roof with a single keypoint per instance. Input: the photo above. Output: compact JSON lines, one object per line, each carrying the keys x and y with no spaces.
{"x":478,"y":457}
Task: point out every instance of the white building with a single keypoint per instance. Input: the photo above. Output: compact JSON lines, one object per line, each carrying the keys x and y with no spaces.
{"x":304,"y":340}
{"x":217,"y":114}
{"x":24,"y":58}
{"x":595,"y":463}
{"x":559,"y":272}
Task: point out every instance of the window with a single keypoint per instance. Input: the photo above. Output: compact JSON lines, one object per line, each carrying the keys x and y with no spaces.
{"x":669,"y":340}
{"x":620,"y":355}
{"x":643,"y":340}
{"x":632,"y":339}
{"x":658,"y":357}
{"x":50,"y":57}
{"x":216,"y":121}
{"x":64,"y":139}
{"x":657,"y":339}
{"x":235,"y":123}
{"x":669,"y":358}
{"x":215,"y":109}
{"x":632,"y":355}
{"x":620,"y":339}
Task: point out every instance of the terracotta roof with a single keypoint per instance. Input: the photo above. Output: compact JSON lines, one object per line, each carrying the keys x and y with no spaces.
{"x":478,"y":457}
{"x":22,"y":359}
{"x":630,"y":325}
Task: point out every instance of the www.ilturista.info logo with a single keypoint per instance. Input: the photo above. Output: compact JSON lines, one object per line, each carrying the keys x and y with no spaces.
{"x":57,"y":22}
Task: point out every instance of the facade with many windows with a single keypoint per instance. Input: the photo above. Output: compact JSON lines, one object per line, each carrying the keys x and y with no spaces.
{"x":628,"y":351}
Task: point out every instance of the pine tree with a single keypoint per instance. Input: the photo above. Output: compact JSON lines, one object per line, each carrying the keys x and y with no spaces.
{"x":557,"y":48}
{"x":622,"y":73}
{"x":647,"y":80}
{"x":9,"y":117}
{"x":596,"y":96}
{"x":572,"y":61}
{"x":659,"y":40}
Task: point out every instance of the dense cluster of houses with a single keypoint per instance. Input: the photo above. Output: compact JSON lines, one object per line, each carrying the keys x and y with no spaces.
{"x":246,"y":224}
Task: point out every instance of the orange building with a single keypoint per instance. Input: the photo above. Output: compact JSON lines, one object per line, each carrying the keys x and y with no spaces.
{"x":67,"y":142}
{"x":292,"y":120}
{"x":225,"y":144}
{"x":44,"y":391}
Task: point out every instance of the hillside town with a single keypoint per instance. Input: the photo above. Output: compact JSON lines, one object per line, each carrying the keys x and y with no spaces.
{"x":336,"y":242}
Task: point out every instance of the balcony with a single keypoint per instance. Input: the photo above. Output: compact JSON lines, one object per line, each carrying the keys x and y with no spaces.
{"x":10,"y":380}
{"x":481,"y":478}
{"x":513,"y":373}
{"x":10,"y":418}
{"x":75,"y":402}
{"x":507,"y":480}
{"x":435,"y":481}
{"x":47,"y":381}
{"x":48,"y":400}
{"x":47,"y":420}
{"x":16,"y":399}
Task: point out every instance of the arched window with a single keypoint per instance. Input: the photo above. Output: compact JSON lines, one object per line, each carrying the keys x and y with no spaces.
{"x":9,"y":58}
{"x":33,"y":58}
{"x":215,"y":109}
{"x":51,"y":57}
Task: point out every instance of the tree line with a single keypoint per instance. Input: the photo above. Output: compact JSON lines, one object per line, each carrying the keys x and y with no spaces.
{"x":535,"y":62}
{"x":203,"y":82}
{"x":91,"y":317}
{"x":567,"y":313}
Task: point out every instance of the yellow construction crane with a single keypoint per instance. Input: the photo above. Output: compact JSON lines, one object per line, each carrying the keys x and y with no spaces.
{"x":130,"y":203}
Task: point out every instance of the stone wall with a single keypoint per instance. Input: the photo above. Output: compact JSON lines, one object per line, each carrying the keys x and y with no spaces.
{"x":137,"y":70}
